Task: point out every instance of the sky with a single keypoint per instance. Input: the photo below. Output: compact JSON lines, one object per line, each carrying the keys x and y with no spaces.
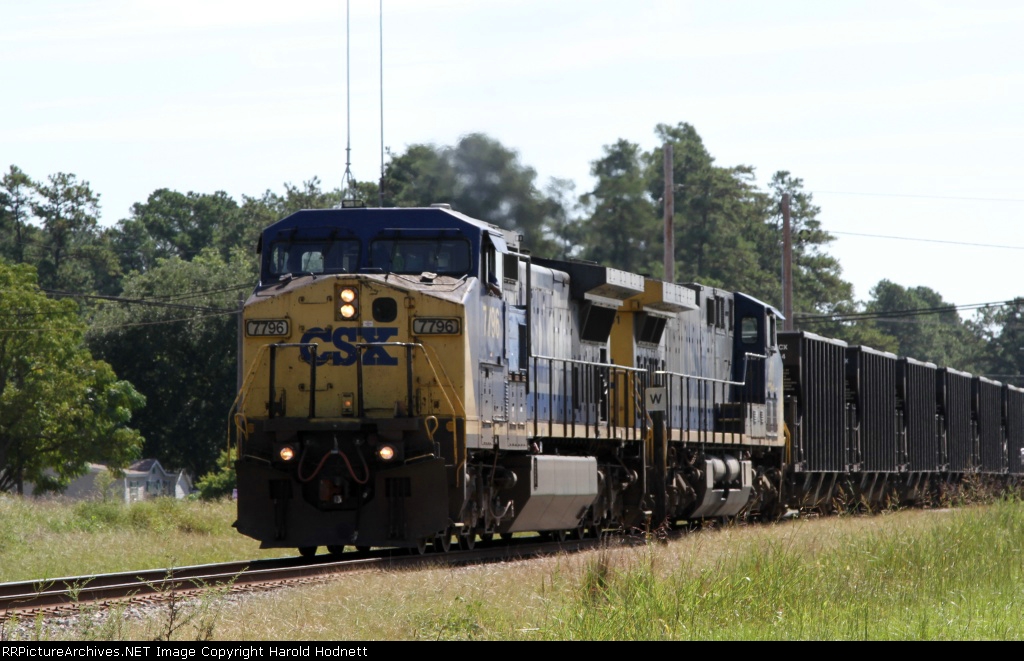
{"x":903,"y":119}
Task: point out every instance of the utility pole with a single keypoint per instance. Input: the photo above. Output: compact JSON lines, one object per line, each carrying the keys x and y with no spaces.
{"x":787,"y":266}
{"x":670,"y":212}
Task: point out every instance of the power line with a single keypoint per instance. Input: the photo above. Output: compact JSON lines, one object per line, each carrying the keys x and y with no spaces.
{"x":141,"y":301}
{"x":907,"y":238}
{"x":865,"y":316}
{"x":118,"y":325}
{"x":920,"y":197}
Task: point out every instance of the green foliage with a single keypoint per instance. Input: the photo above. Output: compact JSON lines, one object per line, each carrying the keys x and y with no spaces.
{"x":72,"y":258}
{"x":16,"y":234}
{"x":159,"y":514}
{"x":59,"y":408}
{"x":957,"y":580}
{"x":187,"y":371}
{"x":480,"y":178}
{"x":173,"y":224}
{"x":1001,"y":329}
{"x":221,"y":482}
{"x":622,"y":229}
{"x":720,"y":221}
{"x":925,"y":326}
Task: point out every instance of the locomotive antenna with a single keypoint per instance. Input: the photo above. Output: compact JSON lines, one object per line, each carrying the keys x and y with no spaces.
{"x":380,"y":187}
{"x":348,"y":181}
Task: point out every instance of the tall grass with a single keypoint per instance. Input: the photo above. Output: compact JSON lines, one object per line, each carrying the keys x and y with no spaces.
{"x":903,"y":575}
{"x":54,"y":538}
{"x":962,"y":578}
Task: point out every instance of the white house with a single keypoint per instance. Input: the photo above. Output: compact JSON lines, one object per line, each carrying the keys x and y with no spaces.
{"x":142,"y":480}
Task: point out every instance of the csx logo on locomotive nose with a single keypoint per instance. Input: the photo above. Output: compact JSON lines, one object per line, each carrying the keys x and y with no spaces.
{"x":344,"y":339}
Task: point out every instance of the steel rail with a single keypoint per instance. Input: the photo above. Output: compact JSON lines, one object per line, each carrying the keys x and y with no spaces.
{"x":59,"y":596}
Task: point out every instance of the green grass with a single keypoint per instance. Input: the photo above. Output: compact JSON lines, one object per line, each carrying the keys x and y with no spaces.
{"x":951,"y":574}
{"x":54,"y":538}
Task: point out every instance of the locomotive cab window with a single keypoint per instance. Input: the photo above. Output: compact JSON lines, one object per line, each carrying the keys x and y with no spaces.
{"x":748,"y":330}
{"x":298,"y":257}
{"x":415,"y":256}
{"x":491,"y":266}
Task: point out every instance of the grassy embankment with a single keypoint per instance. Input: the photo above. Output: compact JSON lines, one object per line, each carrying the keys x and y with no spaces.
{"x":909,"y":575}
{"x":53,"y":538}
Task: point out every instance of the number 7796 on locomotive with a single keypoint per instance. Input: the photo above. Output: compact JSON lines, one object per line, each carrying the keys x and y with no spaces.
{"x":415,"y":376}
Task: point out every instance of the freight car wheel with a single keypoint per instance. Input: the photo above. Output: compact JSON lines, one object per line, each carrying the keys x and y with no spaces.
{"x":307,"y":551}
{"x":443,"y":542}
{"x":467,"y":541}
{"x":363,"y":549}
{"x":486,"y":536}
{"x":420,"y":548}
{"x":335,"y":549}
{"x":556,"y":535}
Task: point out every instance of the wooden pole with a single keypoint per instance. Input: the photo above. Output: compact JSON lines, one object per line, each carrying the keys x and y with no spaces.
{"x":787,"y":265}
{"x":670,"y":212}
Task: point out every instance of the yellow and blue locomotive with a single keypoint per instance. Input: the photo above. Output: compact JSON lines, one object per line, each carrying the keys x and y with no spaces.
{"x":414,"y":377}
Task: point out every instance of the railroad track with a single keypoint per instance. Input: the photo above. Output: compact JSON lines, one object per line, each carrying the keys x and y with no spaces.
{"x":67,"y":595}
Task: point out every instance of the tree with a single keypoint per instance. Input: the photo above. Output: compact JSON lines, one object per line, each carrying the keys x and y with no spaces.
{"x":59,"y":408}
{"x":622,"y":229}
{"x":178,"y":344}
{"x":171,"y":224}
{"x":480,"y":178}
{"x":719,"y":214}
{"x":73,"y":257}
{"x":16,"y":198}
{"x":220,"y":482}
{"x":1001,"y":332}
{"x":924,"y":326}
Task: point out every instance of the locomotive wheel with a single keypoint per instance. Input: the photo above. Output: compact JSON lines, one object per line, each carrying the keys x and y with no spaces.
{"x":443,"y":542}
{"x":467,"y":541}
{"x":307,"y":551}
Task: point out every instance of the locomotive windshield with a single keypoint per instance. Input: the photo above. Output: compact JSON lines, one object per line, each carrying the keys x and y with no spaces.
{"x":325,"y":256}
{"x":414,"y":256}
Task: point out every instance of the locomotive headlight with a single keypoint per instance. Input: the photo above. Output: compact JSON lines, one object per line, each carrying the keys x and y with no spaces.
{"x":389,"y":452}
{"x":287,"y":453}
{"x":348,"y":298}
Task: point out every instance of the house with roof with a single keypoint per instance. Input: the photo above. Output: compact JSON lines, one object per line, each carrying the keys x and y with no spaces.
{"x":142,"y":480}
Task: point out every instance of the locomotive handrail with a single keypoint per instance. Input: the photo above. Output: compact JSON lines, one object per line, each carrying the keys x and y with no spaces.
{"x":703,"y":412}
{"x":568,"y":417}
{"x":236,"y":405}
{"x":409,"y":347}
{"x":713,"y":380}
{"x":624,"y":368}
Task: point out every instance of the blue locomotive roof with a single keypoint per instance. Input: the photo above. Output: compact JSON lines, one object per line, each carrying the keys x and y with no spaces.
{"x":375,"y":240}
{"x":366,"y":222}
